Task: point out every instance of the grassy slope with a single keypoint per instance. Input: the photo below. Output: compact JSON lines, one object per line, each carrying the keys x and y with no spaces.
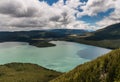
{"x":19,"y":72}
{"x":103,"y":69}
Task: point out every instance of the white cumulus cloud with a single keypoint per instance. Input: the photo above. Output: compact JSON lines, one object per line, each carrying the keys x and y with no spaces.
{"x":93,"y":7}
{"x":113,"y":18}
{"x":35,"y":14}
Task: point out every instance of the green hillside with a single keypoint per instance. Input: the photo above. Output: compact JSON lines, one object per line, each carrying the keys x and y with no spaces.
{"x":19,"y":72}
{"x":102,"y":69}
{"x":110,"y":32}
{"x":108,"y":37}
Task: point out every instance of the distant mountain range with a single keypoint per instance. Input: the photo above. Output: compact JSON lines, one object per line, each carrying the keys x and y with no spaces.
{"x":69,"y":31}
{"x":27,"y":35}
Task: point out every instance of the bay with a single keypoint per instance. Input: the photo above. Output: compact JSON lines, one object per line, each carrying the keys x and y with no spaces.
{"x":63,"y":57}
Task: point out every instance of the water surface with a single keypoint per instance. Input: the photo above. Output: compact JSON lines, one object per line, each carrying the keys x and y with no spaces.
{"x":63,"y":57}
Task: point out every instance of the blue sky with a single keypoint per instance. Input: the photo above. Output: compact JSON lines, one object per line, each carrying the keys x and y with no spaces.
{"x":58,"y":14}
{"x":50,"y":2}
{"x":54,"y":1}
{"x":86,"y":18}
{"x":93,"y":19}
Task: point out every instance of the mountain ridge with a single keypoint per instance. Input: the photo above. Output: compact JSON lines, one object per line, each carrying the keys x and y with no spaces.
{"x":110,"y":32}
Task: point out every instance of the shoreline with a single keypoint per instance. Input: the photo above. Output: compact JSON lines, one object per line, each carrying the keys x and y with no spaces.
{"x":46,"y":43}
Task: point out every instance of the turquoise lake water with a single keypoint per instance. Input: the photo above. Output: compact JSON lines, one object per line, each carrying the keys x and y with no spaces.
{"x":63,"y":57}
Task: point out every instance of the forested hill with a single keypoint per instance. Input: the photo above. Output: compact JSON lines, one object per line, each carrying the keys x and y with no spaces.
{"x":108,"y":37}
{"x":111,"y":32}
{"x":28,"y":35}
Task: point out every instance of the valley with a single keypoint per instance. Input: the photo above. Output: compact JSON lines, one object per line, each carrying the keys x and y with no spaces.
{"x":59,"y":40}
{"x":108,"y":37}
{"x":101,"y":69}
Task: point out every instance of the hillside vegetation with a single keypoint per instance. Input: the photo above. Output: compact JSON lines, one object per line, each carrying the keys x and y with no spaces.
{"x":111,"y":32}
{"x":26,"y":36}
{"x":111,"y":44}
{"x":102,"y":69}
{"x":19,"y":72}
{"x":108,"y":37}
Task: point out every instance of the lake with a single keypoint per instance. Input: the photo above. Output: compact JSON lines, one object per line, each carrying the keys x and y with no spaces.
{"x":63,"y":57}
